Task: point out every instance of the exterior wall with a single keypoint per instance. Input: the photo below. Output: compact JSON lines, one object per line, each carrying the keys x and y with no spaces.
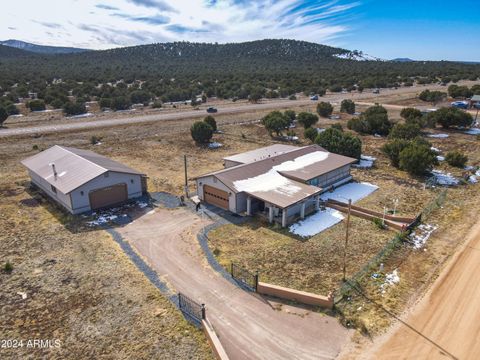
{"x":59,"y":197}
{"x":214,"y":182}
{"x":241,"y":202}
{"x":81,"y":203}
{"x":295,"y":295}
{"x":230,"y":163}
{"x":331,"y":177}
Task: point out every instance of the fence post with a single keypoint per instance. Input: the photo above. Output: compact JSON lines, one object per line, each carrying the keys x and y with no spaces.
{"x":231,"y":268}
{"x":256,"y":281}
{"x":204,"y":315}
{"x":179,"y":301}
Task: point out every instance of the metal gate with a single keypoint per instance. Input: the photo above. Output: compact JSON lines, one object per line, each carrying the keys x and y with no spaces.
{"x":244,"y":277}
{"x":191,"y":308}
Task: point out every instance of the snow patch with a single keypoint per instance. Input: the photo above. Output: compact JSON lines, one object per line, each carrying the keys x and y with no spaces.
{"x":421,"y":234}
{"x":440,"y":158}
{"x":438,"y":136}
{"x":316,"y":223}
{"x":473,"y":131}
{"x":435,"y":149}
{"x":214,"y":145}
{"x":365,"y":162}
{"x":442,"y":178}
{"x":88,"y":114}
{"x":354,"y":191}
{"x":472,"y":179}
{"x":273,"y":181}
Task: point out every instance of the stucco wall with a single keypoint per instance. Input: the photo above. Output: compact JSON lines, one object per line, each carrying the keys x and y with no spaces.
{"x":214,"y":182}
{"x":59,"y":197}
{"x":81,"y":203}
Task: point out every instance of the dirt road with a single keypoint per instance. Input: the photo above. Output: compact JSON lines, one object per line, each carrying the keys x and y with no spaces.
{"x":446,"y":322}
{"x":227,"y":109}
{"x":249,"y":327}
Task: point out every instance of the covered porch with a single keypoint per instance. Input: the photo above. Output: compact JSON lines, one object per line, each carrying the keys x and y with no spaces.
{"x":283,"y":215}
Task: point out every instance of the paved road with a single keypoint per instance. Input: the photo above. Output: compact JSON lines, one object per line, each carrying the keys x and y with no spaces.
{"x":248,"y":326}
{"x":448,"y":318}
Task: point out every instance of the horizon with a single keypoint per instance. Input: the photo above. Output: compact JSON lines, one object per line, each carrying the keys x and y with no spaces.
{"x":370,"y":26}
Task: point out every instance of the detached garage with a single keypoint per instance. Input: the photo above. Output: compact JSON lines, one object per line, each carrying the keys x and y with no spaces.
{"x":81,"y":180}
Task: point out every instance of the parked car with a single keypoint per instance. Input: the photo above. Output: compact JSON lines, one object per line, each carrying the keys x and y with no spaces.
{"x":211,"y":110}
{"x":314,"y":97}
{"x":460,"y":104}
{"x":376,"y":91}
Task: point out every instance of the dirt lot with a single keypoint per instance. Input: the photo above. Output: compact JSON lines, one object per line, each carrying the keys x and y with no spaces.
{"x":123,"y":306}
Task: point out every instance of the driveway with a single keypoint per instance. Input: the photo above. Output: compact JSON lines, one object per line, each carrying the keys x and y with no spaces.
{"x":248,"y":325}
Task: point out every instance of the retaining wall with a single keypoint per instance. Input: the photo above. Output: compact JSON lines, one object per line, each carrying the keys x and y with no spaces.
{"x":296,"y":295}
{"x":214,"y":341}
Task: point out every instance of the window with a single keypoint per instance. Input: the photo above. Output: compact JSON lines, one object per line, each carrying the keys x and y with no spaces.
{"x":82,"y":193}
{"x":54,"y":189}
{"x":214,"y":179}
{"x":131,"y":180}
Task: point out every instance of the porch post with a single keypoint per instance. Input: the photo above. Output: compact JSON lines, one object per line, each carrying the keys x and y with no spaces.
{"x":317,"y":203}
{"x":249,"y":206}
{"x":302,"y":211}
{"x":284,"y":217}
{"x":270,"y":214}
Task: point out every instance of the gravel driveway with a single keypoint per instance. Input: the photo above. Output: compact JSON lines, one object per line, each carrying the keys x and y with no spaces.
{"x":249,"y":326}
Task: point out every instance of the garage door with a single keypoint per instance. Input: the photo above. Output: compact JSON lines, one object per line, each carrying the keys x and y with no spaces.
{"x":108,"y":196}
{"x":215,"y":196}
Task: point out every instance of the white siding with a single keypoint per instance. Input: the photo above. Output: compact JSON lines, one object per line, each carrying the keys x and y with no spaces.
{"x":59,"y":197}
{"x":214,"y":182}
{"x":81,"y":203}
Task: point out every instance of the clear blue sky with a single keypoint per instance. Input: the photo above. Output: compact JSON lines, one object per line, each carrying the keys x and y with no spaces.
{"x":422,"y":29}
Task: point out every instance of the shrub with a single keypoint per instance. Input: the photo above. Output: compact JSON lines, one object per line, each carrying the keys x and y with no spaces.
{"x":448,"y":117}
{"x":36,"y":105}
{"x":275,"y":122}
{"x":95,"y":140}
{"x":8,"y":267}
{"x":105,"y":103}
{"x":347,"y":106}
{"x":307,"y":119}
{"x":337,"y":126}
{"x":339,"y":142}
{"x":310,"y":133}
{"x":379,"y":223}
{"x":140,"y":96}
{"x":410,"y":113}
{"x":3,"y":115}
{"x":71,"y":108}
{"x":456,"y":91}
{"x":417,"y":159}
{"x":456,"y":158}
{"x":373,"y":121}
{"x":120,"y":103}
{"x":404,"y":131}
{"x":57,"y":104}
{"x":432,"y":96}
{"x":324,"y":109}
{"x":291,"y":115}
{"x":292,"y":97}
{"x":12,"y":109}
{"x":393,"y":149}
{"x":210,"y":120}
{"x":157,"y":104}
{"x":201,"y":132}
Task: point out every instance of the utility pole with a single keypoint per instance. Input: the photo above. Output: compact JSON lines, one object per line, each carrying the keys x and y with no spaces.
{"x":346,"y":241}
{"x":186,"y":176}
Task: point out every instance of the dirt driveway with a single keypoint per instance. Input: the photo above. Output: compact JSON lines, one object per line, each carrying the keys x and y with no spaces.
{"x":447,"y":320}
{"x":249,"y":327}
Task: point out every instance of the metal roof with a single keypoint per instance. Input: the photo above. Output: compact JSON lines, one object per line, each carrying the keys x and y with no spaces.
{"x":262,"y":153}
{"x":74,"y":167}
{"x":295,"y":178}
{"x":475,"y":98}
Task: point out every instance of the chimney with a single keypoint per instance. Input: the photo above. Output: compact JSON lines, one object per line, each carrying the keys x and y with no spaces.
{"x":54,"y":170}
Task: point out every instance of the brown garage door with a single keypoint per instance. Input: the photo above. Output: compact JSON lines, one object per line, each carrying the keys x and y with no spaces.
{"x":108,"y":196}
{"x":215,"y":196}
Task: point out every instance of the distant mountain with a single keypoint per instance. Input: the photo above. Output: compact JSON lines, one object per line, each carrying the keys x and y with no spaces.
{"x":41,"y":49}
{"x":402,"y":60}
{"x":7,"y":52}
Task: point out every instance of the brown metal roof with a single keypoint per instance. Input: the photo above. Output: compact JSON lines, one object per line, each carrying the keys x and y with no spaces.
{"x":74,"y":167}
{"x":249,"y":177}
{"x":262,"y":153}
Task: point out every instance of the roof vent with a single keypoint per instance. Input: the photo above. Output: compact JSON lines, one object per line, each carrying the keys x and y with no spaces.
{"x":54,"y":170}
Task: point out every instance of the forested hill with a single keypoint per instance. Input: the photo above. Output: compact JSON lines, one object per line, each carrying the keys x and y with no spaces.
{"x":42,"y":49}
{"x":180,"y":70}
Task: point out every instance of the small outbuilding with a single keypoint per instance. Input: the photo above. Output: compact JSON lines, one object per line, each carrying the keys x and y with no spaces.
{"x":81,"y":180}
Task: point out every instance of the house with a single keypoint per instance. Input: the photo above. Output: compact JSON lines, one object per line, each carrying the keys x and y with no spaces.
{"x":81,"y":180}
{"x":475,"y":101}
{"x":281,"y":182}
